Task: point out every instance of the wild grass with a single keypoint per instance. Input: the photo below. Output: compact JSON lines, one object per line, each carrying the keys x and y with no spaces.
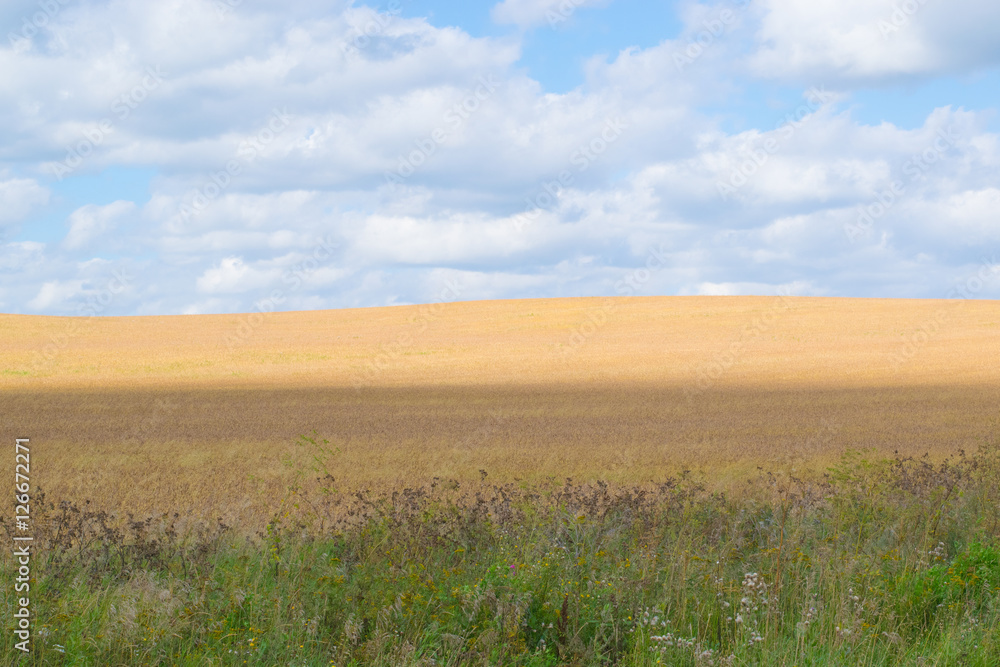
{"x":875,"y":561}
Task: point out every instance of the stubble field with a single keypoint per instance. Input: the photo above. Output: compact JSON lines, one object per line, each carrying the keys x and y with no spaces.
{"x":198,"y":412}
{"x":391,"y":486}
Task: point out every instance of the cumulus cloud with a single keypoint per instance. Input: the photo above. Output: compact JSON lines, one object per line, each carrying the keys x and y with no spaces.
{"x":866,"y":40}
{"x":798,"y":288}
{"x":18,"y":198}
{"x":91,"y":221}
{"x":55,"y":292}
{"x":419,"y":156}
{"x":233,"y":275}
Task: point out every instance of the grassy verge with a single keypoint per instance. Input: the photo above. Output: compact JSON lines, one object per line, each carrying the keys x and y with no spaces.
{"x":876,"y":562}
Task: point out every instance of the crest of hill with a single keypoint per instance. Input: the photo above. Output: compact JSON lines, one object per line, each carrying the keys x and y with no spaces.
{"x":738,"y":341}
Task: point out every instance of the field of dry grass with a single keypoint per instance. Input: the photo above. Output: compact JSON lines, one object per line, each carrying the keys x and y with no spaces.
{"x":198,"y":411}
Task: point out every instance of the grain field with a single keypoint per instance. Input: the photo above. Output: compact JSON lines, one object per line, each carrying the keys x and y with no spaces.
{"x":200,"y":412}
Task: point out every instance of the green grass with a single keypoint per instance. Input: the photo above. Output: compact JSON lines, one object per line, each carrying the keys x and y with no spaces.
{"x":879,"y":562}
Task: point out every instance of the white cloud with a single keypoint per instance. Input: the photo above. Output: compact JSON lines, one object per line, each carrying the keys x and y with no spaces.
{"x":91,"y":221}
{"x":459,"y":238}
{"x":18,"y":198}
{"x":232,"y":275}
{"x":361,"y":107}
{"x":55,"y":293}
{"x":206,"y":306}
{"x":965,"y":219}
{"x":324,"y":276}
{"x":852,"y":40}
{"x":15,"y":257}
{"x":751,"y":289}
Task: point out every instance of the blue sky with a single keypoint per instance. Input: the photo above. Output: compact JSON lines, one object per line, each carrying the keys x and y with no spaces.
{"x":217,"y":153}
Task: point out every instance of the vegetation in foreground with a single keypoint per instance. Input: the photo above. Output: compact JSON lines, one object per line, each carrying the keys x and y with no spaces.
{"x":875,"y":562}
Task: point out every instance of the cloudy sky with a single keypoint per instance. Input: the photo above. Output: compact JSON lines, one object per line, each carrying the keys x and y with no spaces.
{"x":212,"y":156}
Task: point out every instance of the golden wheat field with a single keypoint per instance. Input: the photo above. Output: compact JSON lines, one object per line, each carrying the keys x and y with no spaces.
{"x":198,"y":412}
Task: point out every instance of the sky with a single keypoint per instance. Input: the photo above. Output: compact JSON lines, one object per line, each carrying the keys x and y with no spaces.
{"x":232,"y":156}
